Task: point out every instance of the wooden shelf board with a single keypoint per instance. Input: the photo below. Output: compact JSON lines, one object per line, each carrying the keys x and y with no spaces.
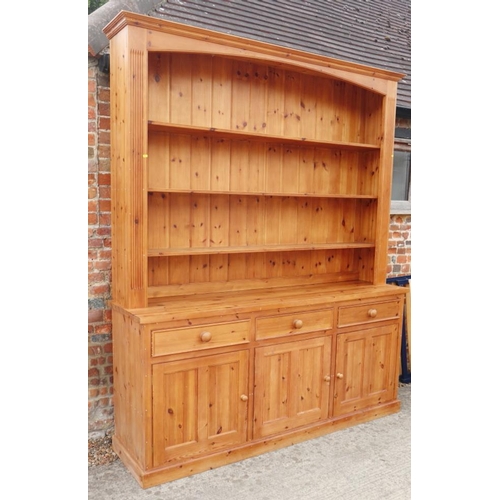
{"x":249,"y":136}
{"x":153,"y":189}
{"x":176,"y":252}
{"x":249,"y":286}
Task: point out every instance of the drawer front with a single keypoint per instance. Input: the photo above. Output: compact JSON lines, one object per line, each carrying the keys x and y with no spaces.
{"x":201,"y":337}
{"x":293,"y":324}
{"x":368,"y":312}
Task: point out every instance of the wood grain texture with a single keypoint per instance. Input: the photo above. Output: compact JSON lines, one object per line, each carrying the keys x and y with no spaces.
{"x":250,"y":208}
{"x":128,"y":149}
{"x":364,"y":369}
{"x":290,"y":385}
{"x":197,"y":406}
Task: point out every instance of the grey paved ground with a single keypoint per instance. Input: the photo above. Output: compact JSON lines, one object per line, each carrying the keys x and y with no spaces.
{"x":368,"y":462}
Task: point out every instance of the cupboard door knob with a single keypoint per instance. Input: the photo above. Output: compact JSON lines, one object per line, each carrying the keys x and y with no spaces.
{"x":205,"y":336}
{"x":372,"y":313}
{"x":244,"y":397}
{"x":340,"y":375}
{"x":297,"y":323}
{"x":327,"y":378}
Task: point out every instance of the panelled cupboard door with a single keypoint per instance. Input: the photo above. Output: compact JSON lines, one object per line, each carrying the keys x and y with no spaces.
{"x":292,"y":384}
{"x":365,"y":368}
{"x":199,"y":406}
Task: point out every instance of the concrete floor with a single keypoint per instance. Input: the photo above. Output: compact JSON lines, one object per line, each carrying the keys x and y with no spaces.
{"x":370,"y":461}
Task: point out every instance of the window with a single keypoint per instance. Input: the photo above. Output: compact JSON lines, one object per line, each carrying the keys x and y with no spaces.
{"x":401,"y":176}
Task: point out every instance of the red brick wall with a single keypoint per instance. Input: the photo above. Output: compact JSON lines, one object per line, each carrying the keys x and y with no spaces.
{"x":399,"y":253}
{"x":100,"y":360}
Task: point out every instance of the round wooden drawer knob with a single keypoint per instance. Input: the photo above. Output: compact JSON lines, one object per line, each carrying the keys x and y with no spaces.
{"x":205,"y":336}
{"x":297,"y":323}
{"x":327,"y":378}
{"x":340,"y":375}
{"x":244,"y":397}
{"x":372,"y":313}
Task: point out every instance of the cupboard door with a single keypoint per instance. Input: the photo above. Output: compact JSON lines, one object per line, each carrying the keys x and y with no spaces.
{"x":199,"y":405}
{"x":292,"y":382}
{"x":365,"y":371}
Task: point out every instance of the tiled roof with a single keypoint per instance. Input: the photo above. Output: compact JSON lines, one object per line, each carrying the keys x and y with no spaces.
{"x":372,"y":32}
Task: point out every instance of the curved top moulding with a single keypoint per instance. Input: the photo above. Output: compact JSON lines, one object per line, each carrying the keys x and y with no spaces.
{"x":167,"y":36}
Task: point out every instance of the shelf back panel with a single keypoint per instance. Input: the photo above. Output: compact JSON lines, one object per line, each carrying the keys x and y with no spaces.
{"x":196,"y":162}
{"x":196,"y":220}
{"x":340,"y":265}
{"x":205,"y":90}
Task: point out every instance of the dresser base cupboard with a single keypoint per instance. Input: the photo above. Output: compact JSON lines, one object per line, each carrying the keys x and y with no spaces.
{"x":250,"y":212}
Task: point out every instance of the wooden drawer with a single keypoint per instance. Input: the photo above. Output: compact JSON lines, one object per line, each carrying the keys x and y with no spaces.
{"x":195,"y":338}
{"x":293,"y":324}
{"x":368,"y":312}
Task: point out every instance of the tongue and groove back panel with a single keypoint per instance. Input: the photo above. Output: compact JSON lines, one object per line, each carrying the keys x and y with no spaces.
{"x":230,"y":199}
{"x":204,"y":90}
